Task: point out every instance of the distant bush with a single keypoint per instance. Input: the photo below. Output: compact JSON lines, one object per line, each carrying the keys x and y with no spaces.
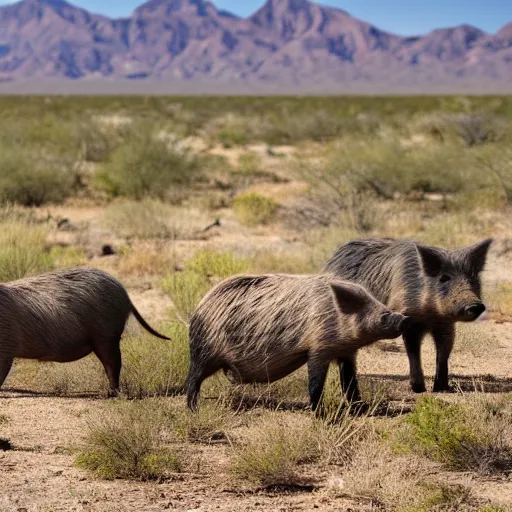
{"x":254,"y":209}
{"x":209,"y":263}
{"x":471,"y":129}
{"x":146,"y":165}
{"x":30,"y":178}
{"x":151,"y":218}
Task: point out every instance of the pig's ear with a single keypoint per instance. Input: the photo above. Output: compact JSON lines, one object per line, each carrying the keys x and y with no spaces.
{"x":351,"y":298}
{"x":474,"y":257}
{"x":431,"y":259}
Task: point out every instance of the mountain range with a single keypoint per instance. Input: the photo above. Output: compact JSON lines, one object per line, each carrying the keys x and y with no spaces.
{"x":285,"y":45}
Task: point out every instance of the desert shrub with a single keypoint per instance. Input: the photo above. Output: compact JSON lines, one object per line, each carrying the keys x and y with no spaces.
{"x":23,"y":250}
{"x":212,"y":422}
{"x":155,"y":367}
{"x":397,"y":482}
{"x":254,"y":209}
{"x":274,"y":450}
{"x":149,"y":218}
{"x":469,"y":435}
{"x":472,"y":129}
{"x":4,"y":419}
{"x":145,"y":165}
{"x":127,"y":440}
{"x":347,"y":185}
{"x":31,"y":178}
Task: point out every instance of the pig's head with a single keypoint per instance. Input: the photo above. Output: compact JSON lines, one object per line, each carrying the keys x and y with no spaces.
{"x":370,"y":319}
{"x":452,"y":281}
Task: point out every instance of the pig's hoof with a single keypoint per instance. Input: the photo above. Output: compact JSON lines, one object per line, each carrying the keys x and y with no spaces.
{"x":418,"y":387}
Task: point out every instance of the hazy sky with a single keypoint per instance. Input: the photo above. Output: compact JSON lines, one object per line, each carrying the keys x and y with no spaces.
{"x":404,"y":17}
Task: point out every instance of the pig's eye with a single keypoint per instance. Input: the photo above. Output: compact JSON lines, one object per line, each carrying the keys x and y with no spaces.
{"x":445,"y":278}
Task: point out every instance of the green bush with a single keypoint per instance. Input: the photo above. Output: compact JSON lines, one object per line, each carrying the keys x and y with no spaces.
{"x":127,"y":441}
{"x":148,"y":165}
{"x":471,"y":435}
{"x":186,"y":290}
{"x":253,"y":209}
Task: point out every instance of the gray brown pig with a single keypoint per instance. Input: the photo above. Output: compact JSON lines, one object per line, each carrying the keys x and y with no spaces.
{"x":262,"y":328}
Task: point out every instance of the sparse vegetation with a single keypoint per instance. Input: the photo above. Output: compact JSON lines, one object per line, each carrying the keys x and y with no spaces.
{"x":128,"y":441}
{"x":470,"y":435}
{"x":273,"y":451}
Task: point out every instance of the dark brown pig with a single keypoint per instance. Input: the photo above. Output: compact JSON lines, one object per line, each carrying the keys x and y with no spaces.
{"x":64,"y":316}
{"x":434,"y":286}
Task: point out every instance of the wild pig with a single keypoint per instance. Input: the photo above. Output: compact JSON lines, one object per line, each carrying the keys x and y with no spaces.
{"x":262,"y":328}
{"x":434,"y":286}
{"x":64,"y":316}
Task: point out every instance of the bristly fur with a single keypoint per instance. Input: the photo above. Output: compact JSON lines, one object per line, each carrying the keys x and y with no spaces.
{"x":262,"y":328}
{"x":433,"y":285}
{"x":64,"y":316}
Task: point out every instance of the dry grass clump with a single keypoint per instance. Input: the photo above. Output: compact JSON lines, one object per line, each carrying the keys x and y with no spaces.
{"x":396,"y":482}
{"x":473,"y":434}
{"x":212,"y":422}
{"x":149,"y":219}
{"x":23,"y":250}
{"x":274,"y":450}
{"x":475,"y":339}
{"x":128,"y":440}
{"x":141,"y":260}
